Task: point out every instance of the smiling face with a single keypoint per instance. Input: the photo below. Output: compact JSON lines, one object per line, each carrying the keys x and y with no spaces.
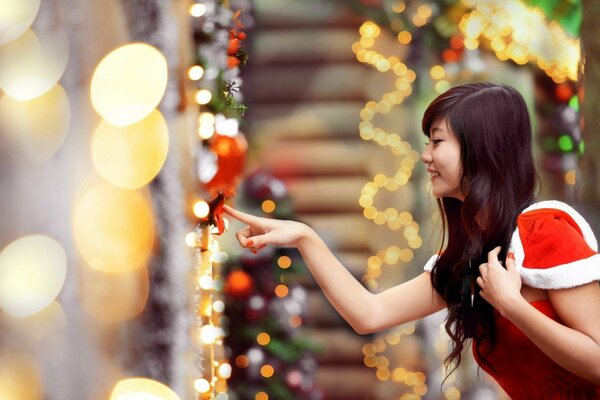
{"x":442,"y":159}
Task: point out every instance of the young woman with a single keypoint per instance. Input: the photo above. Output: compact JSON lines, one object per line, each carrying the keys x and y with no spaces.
{"x":534,"y":322}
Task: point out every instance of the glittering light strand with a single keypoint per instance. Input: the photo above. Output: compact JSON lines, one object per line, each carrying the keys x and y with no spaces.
{"x":521,"y":34}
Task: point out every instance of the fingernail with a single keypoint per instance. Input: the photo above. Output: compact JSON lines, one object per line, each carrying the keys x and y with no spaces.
{"x":250,"y":242}
{"x":261,"y":246}
{"x":252,"y":250}
{"x":511,"y":256}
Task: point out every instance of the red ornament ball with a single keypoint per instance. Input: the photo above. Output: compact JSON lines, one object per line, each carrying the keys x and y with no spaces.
{"x":239,"y":284}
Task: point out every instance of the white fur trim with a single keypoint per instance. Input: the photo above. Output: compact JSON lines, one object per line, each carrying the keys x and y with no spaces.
{"x":569,"y":275}
{"x":431,"y":262}
{"x":562,"y":276}
{"x":588,"y":235}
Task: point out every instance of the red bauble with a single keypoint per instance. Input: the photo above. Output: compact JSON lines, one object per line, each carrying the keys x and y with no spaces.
{"x":239,"y":284}
{"x":231,"y":159}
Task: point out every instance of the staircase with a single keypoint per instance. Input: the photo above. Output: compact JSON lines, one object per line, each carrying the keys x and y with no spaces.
{"x":305,"y":89}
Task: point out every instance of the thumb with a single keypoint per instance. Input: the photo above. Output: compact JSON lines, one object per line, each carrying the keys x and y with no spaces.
{"x":493,"y":255}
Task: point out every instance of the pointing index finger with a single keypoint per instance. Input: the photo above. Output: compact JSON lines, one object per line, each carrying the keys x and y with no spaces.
{"x":240,"y":216}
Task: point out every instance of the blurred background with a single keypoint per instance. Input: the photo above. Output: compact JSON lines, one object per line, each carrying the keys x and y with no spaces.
{"x":121,"y":121}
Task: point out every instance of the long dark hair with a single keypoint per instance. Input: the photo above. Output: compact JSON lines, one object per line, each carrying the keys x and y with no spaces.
{"x":492,"y":125}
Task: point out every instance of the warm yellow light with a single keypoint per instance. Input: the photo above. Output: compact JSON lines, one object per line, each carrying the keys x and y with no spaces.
{"x":201,"y":209}
{"x":404,"y":37}
{"x":369,"y":29}
{"x":261,"y":396}
{"x":383,"y":374}
{"x":206,"y":118}
{"x":284,"y":262}
{"x":281,"y":290}
{"x":437,"y":72}
{"x":267,"y":370}
{"x":196,"y":72}
{"x":131,"y":156}
{"x":203,"y":96}
{"x":30,"y":66}
{"x":36,"y":128}
{"x":16,"y":17}
{"x":263,"y":338}
{"x":224,"y":370}
{"x":208,"y":334}
{"x":201,"y":385}
{"x":197,"y":10}
{"x":122,"y":92}
{"x":571,"y":177}
{"x":452,"y":393}
{"x":113,"y":228}
{"x":32,"y":273}
{"x":398,"y":6}
{"x":206,"y":131}
{"x":111,"y":297}
{"x":190,"y":239}
{"x":142,"y":389}
{"x":268,"y":206}
{"x":424,"y":11}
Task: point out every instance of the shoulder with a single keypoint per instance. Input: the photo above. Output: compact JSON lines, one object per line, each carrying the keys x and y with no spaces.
{"x":555,"y":247}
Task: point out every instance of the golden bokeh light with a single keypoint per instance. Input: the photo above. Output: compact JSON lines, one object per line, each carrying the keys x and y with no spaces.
{"x":36,"y":128}
{"x":268,"y":206}
{"x":203,"y":96}
{"x":201,"y":385}
{"x":195,"y":73}
{"x":142,"y":389}
{"x":131,"y":156}
{"x":263,"y":338}
{"x":32,"y":65}
{"x":197,"y":10}
{"x":110,"y":297}
{"x":201,"y":209}
{"x":267,"y":371}
{"x":16,"y":17}
{"x":122,"y":92}
{"x":113,"y":228}
{"x":32,"y":273}
{"x":20,"y":378}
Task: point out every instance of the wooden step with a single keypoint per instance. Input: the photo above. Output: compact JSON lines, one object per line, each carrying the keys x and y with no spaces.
{"x":302,"y":158}
{"x":326,"y":194}
{"x":305,"y":13}
{"x":301,"y":46}
{"x":347,"y":383}
{"x":320,"y":82}
{"x":314,"y":120}
{"x":340,"y":345}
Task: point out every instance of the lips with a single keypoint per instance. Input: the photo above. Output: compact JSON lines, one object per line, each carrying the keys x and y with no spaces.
{"x":433,"y":174}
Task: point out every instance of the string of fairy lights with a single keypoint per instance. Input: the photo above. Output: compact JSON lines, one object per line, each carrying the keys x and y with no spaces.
{"x":374,"y":356}
{"x":212,"y":366}
{"x":521,"y":34}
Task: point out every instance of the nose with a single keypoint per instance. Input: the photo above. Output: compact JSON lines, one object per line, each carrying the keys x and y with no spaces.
{"x":426,"y":155}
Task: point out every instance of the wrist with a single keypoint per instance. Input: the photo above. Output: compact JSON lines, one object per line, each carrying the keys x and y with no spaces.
{"x":305,"y":235}
{"x":512,"y":305}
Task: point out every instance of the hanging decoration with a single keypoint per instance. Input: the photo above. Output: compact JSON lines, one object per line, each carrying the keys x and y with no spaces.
{"x":266,"y":309}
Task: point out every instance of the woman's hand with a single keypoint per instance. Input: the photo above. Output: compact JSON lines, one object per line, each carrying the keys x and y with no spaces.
{"x":500,"y":287}
{"x":260,"y":232}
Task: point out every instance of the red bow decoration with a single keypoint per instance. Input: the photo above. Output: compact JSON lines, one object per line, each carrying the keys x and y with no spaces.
{"x":215,"y":215}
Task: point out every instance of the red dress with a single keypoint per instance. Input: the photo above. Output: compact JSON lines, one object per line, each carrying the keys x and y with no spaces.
{"x":554,"y":248}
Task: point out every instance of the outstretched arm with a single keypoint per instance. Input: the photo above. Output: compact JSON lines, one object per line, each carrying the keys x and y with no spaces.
{"x":364,"y":311}
{"x":573,"y":344}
